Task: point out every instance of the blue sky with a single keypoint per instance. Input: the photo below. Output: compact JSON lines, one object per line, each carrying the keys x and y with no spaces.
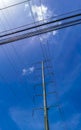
{"x":17,"y":69}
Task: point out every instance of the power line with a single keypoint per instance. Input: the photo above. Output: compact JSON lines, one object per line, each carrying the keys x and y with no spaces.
{"x":46,"y":19}
{"x":14,"y":67}
{"x":9,"y":62}
{"x":44,"y":24}
{"x":19,"y":3}
{"x":39,"y":32}
{"x":10,"y":59}
{"x":14,"y":49}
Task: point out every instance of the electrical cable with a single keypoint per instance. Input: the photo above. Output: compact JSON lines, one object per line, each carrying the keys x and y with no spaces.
{"x":14,"y":5}
{"x":26,"y":25}
{"x":10,"y":61}
{"x":64,"y":26}
{"x":8,"y":58}
{"x":44,"y":24}
{"x":41,"y":31}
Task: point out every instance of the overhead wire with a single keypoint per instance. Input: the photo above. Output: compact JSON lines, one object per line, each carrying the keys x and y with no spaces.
{"x":39,"y":32}
{"x":47,"y":19}
{"x":11,"y":63}
{"x":13,"y":47}
{"x":44,"y":24}
{"x":20,"y":62}
{"x":17,"y":97}
{"x":13,"y":24}
{"x":2,"y":77}
{"x":6,"y":52}
{"x":12,"y":5}
{"x":14,"y":50}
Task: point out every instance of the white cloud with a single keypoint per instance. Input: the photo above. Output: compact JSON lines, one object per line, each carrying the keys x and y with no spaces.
{"x":26,"y":6}
{"x":20,"y":117}
{"x":23,"y":118}
{"x":44,"y":37}
{"x":31,"y":69}
{"x":28,"y":71}
{"x":40,"y":13}
{"x":24,"y":71}
{"x":27,"y":10}
{"x":54,"y":33}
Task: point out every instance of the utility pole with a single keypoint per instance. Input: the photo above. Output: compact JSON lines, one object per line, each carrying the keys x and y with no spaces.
{"x":44,"y":93}
{"x":43,"y":82}
{"x":45,"y":99}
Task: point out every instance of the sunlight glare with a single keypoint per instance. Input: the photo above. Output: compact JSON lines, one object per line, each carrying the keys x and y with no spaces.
{"x":4,"y":3}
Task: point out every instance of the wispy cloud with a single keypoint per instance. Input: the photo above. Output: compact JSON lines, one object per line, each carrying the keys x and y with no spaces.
{"x":20,"y":117}
{"x":23,"y":118}
{"x":40,"y":13}
{"x":54,"y":33}
{"x":28,"y":71}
